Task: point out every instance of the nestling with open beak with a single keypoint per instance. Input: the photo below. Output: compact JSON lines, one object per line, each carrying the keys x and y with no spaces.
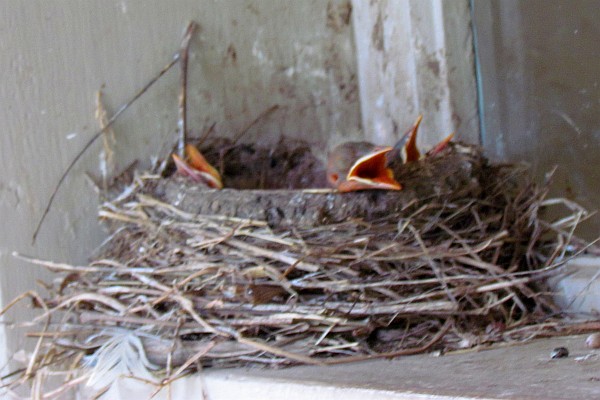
{"x":354,"y":166}
{"x":197,"y":168}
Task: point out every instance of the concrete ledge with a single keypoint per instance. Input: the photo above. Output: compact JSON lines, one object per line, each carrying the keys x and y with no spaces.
{"x":512,"y":372}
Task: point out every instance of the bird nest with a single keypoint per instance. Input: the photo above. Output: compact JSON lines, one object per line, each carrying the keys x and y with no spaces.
{"x":273,"y":271}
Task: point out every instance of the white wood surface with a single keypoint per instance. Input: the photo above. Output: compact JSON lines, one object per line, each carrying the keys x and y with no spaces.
{"x":416,"y":57}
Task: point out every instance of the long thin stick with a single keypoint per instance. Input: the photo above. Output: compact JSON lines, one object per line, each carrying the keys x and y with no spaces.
{"x":183,"y":56}
{"x":254,"y":122}
{"x":97,"y":134}
{"x":108,"y":139}
{"x":402,"y":352}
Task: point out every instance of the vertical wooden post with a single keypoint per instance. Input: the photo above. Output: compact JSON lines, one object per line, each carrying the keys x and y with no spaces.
{"x":416,"y":57}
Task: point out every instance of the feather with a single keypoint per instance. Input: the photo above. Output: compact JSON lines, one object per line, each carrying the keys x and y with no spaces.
{"x":121,"y":354}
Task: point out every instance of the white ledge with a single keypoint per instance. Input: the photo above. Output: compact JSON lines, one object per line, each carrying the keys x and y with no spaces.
{"x":510,"y":372}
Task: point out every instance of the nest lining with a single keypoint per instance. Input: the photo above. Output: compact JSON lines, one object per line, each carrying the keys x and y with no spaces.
{"x":281,"y":277}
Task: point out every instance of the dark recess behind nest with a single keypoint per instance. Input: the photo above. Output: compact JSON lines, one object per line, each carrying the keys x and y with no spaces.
{"x":289,"y":164}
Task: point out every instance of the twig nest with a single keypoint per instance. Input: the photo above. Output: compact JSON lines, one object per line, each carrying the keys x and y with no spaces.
{"x":286,"y":275}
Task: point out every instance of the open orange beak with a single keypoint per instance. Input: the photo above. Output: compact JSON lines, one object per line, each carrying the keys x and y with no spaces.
{"x":197,"y":168}
{"x":408,"y":144}
{"x":370,"y":172}
{"x":411,"y":152}
{"x":440,"y":146}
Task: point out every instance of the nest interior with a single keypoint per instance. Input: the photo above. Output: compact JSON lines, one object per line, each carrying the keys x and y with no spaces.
{"x":273,"y":271}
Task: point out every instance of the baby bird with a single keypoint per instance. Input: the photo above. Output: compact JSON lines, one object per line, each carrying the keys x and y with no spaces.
{"x":354,"y":166}
{"x":197,"y":168}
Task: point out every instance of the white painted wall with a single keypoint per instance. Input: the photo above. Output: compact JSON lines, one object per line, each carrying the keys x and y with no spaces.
{"x":416,"y":57}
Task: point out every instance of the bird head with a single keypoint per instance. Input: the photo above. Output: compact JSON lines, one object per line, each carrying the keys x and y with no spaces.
{"x":197,"y":168}
{"x":356,"y":166}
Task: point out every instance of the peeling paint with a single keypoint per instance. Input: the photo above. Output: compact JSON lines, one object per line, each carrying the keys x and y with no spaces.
{"x":339,"y":15}
{"x":434,"y":67}
{"x":377,"y":37}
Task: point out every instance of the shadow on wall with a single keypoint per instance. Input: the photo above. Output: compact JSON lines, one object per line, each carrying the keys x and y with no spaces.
{"x":541,"y":90}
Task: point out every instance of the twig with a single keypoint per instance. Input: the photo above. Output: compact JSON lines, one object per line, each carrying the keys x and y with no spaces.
{"x":95,"y":136}
{"x":108,"y":139}
{"x":60,"y":266}
{"x":344,"y":308}
{"x":38,"y":345}
{"x":279,"y":352}
{"x":207,"y":133}
{"x":432,"y":264}
{"x":20,"y":297}
{"x":254,"y":122}
{"x":89,"y":297}
{"x":184,"y":55}
{"x":403,"y":352}
{"x":66,"y":386}
{"x":203,"y":351}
